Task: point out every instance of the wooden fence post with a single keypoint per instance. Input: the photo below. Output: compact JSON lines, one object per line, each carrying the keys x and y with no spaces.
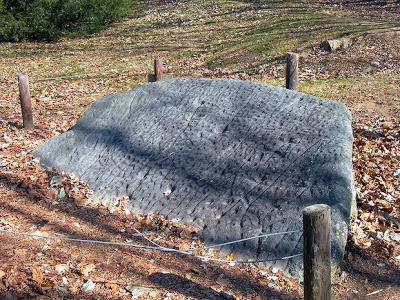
{"x":25,"y":99}
{"x":158,"y":69}
{"x":292,"y":71}
{"x":317,"y":252}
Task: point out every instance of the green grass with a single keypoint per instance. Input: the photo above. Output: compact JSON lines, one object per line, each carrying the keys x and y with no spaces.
{"x":359,"y":92}
{"x":282,"y":29}
{"x":191,"y":35}
{"x":379,"y":89}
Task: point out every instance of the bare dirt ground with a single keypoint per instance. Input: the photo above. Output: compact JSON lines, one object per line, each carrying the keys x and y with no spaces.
{"x":238,"y":39}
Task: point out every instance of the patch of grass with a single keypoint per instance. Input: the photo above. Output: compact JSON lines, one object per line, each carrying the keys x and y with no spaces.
{"x":282,"y":28}
{"x":379,"y":90}
{"x":229,"y":34}
{"x":378,"y":93}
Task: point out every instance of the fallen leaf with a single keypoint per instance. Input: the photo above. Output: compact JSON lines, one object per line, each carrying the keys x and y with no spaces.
{"x":37,"y":275}
{"x":274,"y":287}
{"x":62,"y":268}
{"x":395,"y":236}
{"x":223,"y":280}
{"x":86,"y":269}
{"x":230,"y":256}
{"x":89,"y":286}
{"x":112,"y":286}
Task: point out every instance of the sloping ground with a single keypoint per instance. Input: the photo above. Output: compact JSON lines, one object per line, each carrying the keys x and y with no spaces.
{"x":193,"y":38}
{"x":234,"y":34}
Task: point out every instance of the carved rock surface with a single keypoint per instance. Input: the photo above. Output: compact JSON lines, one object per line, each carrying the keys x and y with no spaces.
{"x":235,"y":158}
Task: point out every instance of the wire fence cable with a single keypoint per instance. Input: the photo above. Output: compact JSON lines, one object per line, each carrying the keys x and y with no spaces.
{"x":158,"y":247}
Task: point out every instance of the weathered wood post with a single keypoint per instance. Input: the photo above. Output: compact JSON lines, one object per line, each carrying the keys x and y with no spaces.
{"x":317,"y":252}
{"x":25,"y":99}
{"x":292,"y":71}
{"x":158,"y":69}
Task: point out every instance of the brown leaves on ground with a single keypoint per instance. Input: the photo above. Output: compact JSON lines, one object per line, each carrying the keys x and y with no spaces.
{"x":30,"y":267}
{"x":377,"y":173}
{"x":31,"y":202}
{"x":46,"y":203}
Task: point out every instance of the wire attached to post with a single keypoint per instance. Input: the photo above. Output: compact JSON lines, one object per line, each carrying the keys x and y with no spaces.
{"x":155,"y":247}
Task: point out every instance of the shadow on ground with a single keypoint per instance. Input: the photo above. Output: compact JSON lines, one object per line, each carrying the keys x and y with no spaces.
{"x":33,"y":193}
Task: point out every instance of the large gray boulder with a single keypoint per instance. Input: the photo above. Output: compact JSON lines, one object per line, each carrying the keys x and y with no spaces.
{"x":235,"y":158}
